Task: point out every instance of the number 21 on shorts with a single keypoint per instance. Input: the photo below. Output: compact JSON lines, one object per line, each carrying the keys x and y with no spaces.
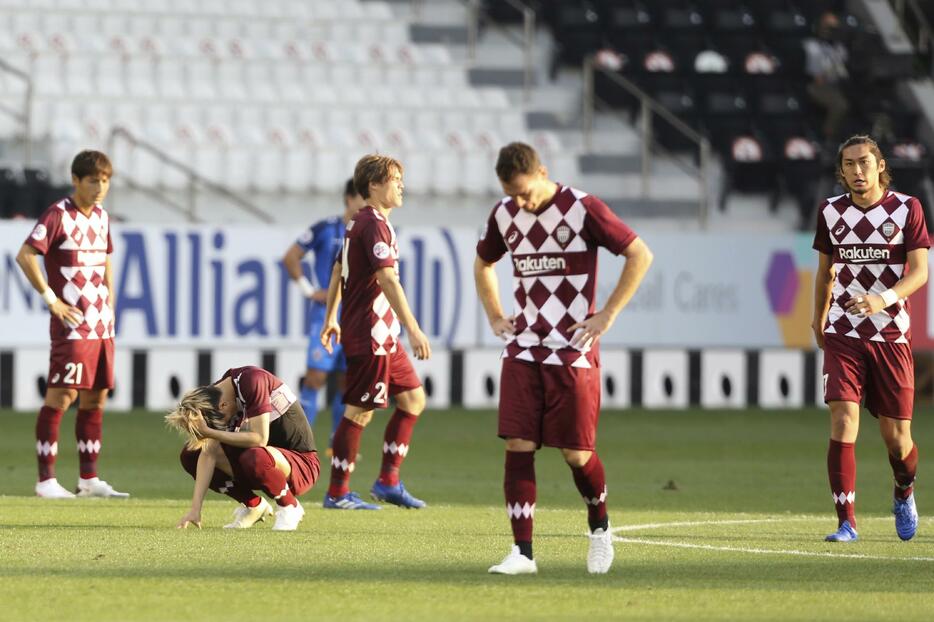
{"x":73,"y":373}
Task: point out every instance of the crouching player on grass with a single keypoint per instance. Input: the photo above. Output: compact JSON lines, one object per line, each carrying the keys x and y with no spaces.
{"x":247,"y":432}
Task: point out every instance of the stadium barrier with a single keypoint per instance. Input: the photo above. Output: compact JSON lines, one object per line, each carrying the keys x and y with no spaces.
{"x":666,"y":378}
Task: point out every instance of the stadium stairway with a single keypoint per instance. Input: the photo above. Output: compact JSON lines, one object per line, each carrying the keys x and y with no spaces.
{"x":610,"y":166}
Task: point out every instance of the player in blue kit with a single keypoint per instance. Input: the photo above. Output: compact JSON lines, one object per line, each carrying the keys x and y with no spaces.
{"x":323,"y":239}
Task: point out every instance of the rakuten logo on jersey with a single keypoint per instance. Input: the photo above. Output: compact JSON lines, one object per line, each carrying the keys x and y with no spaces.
{"x":528,"y":266}
{"x":863,"y":254}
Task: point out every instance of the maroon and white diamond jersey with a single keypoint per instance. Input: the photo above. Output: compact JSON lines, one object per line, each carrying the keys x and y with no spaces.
{"x":368,"y":323}
{"x":259,"y":392}
{"x":869,"y":248}
{"x":75,"y":249}
{"x":554,"y":256}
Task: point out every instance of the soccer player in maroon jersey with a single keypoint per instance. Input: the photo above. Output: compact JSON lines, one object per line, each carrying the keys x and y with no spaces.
{"x":551,"y":363}
{"x":864,"y":239}
{"x":247,"y":432}
{"x":365,"y":276}
{"x":73,"y":236}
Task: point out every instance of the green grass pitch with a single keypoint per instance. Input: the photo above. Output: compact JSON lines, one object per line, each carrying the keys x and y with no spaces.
{"x":737,"y":536}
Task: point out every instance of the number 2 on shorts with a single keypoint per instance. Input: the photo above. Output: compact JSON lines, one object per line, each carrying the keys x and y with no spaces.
{"x":380,"y":397}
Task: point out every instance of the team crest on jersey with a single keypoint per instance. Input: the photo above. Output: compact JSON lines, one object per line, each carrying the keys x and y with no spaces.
{"x":39,"y":232}
{"x":888,"y":229}
{"x":563,"y":234}
{"x":381,"y":250}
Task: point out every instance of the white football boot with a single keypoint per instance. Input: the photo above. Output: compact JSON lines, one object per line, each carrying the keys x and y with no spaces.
{"x":515,"y":563}
{"x":96,"y":487}
{"x":245,"y":517}
{"x":51,"y":489}
{"x":600,"y":555}
{"x":288,"y":517}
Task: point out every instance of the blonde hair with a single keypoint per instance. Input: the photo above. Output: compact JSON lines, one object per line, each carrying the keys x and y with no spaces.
{"x":199,"y":402}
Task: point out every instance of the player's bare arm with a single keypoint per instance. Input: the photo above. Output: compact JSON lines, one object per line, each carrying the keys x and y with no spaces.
{"x":488,"y":291}
{"x":823,"y":286}
{"x":915,"y":277}
{"x":28,"y":260}
{"x":331,"y":325}
{"x":392,"y":288}
{"x":292,"y":260}
{"x":207,"y":462}
{"x":638,"y":259}
{"x":253,"y":434}
{"x":109,"y":283}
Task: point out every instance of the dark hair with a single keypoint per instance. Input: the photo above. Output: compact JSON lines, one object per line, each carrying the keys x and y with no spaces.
{"x":374,"y":169}
{"x":89,"y":163}
{"x":516,"y":159}
{"x":349,"y":189}
{"x":885,"y":177}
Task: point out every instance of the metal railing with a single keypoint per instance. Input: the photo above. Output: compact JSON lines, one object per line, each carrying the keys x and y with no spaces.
{"x":196,"y":181}
{"x":648,"y":108}
{"x":916,"y":25}
{"x":25,"y":116}
{"x":476,"y":18}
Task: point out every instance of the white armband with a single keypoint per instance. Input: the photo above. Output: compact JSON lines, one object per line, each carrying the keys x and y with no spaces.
{"x":889,"y":298}
{"x":305,"y":285}
{"x":49,"y":296}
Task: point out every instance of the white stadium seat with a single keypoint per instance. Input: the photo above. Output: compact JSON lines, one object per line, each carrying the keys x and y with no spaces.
{"x":284,"y":77}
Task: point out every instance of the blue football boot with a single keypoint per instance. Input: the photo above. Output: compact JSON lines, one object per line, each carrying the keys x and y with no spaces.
{"x":906,"y":517}
{"x":397,"y":495}
{"x":844,"y":534}
{"x":350,"y":501}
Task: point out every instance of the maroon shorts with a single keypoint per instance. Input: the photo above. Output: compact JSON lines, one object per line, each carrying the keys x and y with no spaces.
{"x":372,"y":380}
{"x":554,"y":405}
{"x":879,"y":373}
{"x":304,"y":467}
{"x":81,"y":364}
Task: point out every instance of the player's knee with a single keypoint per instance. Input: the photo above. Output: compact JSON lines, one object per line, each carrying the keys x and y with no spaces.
{"x":360,"y":418}
{"x":575,"y":457}
{"x":315,"y":380}
{"x":412,"y":402}
{"x":520,"y":444}
{"x":60,"y":399}
{"x":255,"y":460}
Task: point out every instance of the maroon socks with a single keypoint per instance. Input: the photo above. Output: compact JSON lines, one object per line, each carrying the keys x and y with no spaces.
{"x":344,"y":452}
{"x":519,"y":488}
{"x":591,"y":483}
{"x":841,"y":468}
{"x":88,"y":436}
{"x":904,"y":471}
{"x":47,"y":441}
{"x":396,"y":445}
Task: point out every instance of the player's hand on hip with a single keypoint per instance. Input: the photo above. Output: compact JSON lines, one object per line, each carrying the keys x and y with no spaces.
{"x":590,"y":329}
{"x":864,"y":305}
{"x":504,"y":327}
{"x":69,"y":315}
{"x":421,"y":348}
{"x":330,"y":329}
{"x":191,"y":518}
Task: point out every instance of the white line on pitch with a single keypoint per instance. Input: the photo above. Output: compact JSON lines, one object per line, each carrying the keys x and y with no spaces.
{"x":704,"y":523}
{"x":736,"y":549}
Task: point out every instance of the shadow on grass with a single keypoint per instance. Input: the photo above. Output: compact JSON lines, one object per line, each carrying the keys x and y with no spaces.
{"x":751,"y":574}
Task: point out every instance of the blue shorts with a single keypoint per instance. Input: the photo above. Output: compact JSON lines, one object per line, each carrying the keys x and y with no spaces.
{"x":318,"y":357}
